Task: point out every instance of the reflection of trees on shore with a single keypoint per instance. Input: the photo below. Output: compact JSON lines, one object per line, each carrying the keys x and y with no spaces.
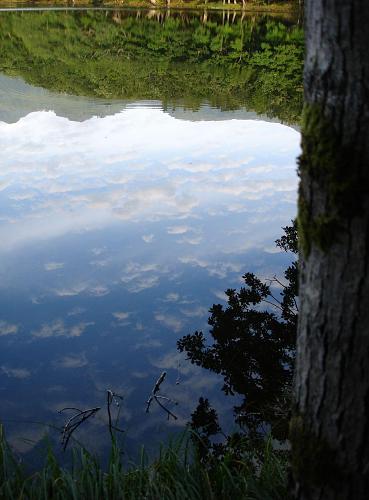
{"x":222,"y":16}
{"x":228,"y":59}
{"x":252,"y":346}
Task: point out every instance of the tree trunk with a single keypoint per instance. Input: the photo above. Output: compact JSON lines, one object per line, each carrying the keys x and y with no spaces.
{"x":330,"y":428}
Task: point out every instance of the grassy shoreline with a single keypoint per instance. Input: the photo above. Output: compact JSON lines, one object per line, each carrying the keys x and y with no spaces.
{"x":175,"y":475}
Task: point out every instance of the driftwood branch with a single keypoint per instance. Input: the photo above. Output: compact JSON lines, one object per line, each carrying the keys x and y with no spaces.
{"x":108,"y":403}
{"x":110,"y":398}
{"x":74,"y":422}
{"x":155,"y":390}
{"x":169,"y":413}
{"x":154,"y":396}
{"x":81,"y":416}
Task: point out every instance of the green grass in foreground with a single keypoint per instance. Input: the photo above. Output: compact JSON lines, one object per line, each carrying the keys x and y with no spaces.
{"x":176,"y":474}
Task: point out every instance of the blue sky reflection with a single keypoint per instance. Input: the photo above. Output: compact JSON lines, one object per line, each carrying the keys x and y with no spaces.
{"x":116,"y":235}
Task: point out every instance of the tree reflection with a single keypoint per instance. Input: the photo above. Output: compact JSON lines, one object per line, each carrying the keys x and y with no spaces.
{"x":253,"y":347}
{"x":232,"y":62}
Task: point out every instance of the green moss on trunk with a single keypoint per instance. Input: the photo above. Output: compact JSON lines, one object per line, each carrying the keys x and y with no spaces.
{"x":332,"y":170}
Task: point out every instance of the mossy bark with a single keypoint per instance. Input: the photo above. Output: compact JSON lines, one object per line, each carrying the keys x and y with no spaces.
{"x":330,"y":433}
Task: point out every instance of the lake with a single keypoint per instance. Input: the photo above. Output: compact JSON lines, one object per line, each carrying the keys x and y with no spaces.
{"x":148,"y":160}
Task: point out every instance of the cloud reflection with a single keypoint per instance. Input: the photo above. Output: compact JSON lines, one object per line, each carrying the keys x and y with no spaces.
{"x":60,"y":176}
{"x":169,"y":321}
{"x":57,"y":328}
{"x":72,"y":361}
{"x":19,"y":373}
{"x":53,"y":266}
{"x":7,"y":328}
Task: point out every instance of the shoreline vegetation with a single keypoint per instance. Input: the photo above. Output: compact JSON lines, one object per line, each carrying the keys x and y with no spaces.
{"x":285,"y":7}
{"x":177,"y":473}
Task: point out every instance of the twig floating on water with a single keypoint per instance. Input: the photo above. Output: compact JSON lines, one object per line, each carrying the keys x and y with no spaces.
{"x":112,"y":397}
{"x":74,"y":422}
{"x":155,"y":396}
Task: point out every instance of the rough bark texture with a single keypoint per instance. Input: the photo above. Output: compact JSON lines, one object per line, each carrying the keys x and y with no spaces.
{"x":330,"y":429}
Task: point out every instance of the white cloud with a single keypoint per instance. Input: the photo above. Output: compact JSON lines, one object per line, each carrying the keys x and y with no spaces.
{"x":176,"y":361}
{"x":4,"y":185}
{"x":77,"y":289}
{"x":77,"y":330}
{"x":20,"y":373}
{"x":220,"y":294}
{"x":171,"y":297}
{"x":148,"y":238}
{"x":144,"y":284}
{"x":121,"y":315}
{"x":138,"y":277}
{"x":100,"y":262}
{"x":194,"y":312}
{"x":71,"y":291}
{"x":99,"y":291}
{"x":170,"y":321}
{"x":57,"y":328}
{"x":8,"y":328}
{"x":72,"y":361}
{"x":98,"y":251}
{"x":178,"y":229}
{"x":147,"y":344}
{"x":181,"y":169}
{"x":214,"y":268}
{"x":36,"y":300}
{"x":53,"y":266}
{"x":222,"y":269}
{"x":193,"y":261}
{"x":195,"y":240}
{"x":134,"y":268}
{"x":76,"y":310}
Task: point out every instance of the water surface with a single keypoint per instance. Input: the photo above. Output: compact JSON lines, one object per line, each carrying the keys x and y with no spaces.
{"x":124,"y":217}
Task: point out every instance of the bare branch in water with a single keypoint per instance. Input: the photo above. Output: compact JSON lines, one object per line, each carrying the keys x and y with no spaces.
{"x":69,"y":408}
{"x":108,"y":403}
{"x":74,"y":422}
{"x":169,"y":413}
{"x":155,"y":390}
{"x":159,"y":382}
{"x":155,"y":396}
{"x":112,"y":397}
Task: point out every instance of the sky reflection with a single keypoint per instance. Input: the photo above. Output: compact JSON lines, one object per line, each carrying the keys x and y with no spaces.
{"x":138,"y":166}
{"x":117,"y":234}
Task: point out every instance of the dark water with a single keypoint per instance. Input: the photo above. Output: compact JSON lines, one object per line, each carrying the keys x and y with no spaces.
{"x":134,"y":189}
